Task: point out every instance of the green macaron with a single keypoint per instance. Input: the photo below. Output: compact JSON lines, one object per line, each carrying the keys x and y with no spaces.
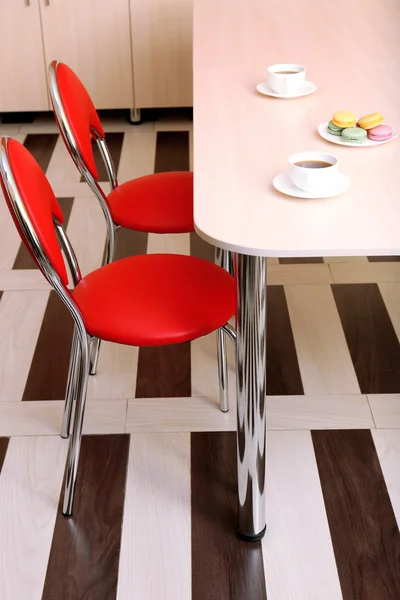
{"x":354,"y":135}
{"x":334,"y":129}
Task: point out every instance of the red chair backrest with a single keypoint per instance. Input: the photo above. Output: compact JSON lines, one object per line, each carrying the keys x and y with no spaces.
{"x":80,"y":113}
{"x":38,"y":199}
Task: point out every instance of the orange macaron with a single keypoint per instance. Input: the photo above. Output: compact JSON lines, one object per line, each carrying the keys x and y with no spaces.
{"x":370,"y":121}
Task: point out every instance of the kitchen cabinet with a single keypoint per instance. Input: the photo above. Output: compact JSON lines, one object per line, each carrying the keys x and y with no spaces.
{"x":162,"y":52}
{"x":93,"y":38}
{"x":129,"y":53}
{"x":22,"y":64}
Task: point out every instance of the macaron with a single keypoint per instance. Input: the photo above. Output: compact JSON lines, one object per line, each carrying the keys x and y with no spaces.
{"x":370,"y":121}
{"x":334,"y":129}
{"x":380,"y":133}
{"x":354,"y":135}
{"x":344,"y":119}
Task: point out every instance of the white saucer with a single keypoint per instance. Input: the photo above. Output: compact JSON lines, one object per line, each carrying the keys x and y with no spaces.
{"x":336,"y":139}
{"x":283,"y":184}
{"x":306,"y":88}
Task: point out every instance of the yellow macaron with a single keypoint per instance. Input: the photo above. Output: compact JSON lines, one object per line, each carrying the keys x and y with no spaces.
{"x":370,"y":121}
{"x":344,"y":119}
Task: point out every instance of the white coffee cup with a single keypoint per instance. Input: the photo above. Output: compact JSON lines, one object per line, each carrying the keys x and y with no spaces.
{"x":286,"y":78}
{"x":307,"y":175}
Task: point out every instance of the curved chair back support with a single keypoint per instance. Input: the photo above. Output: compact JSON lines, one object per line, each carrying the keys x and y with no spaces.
{"x":79,"y":124}
{"x":37,"y":216}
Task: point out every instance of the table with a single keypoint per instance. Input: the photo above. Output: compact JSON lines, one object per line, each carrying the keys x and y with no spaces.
{"x":243,"y":139}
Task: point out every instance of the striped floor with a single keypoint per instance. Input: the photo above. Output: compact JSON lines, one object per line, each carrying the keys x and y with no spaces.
{"x":155,"y":509}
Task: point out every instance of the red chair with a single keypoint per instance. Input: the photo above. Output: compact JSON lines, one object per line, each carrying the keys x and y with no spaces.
{"x":158,"y":203}
{"x":145,"y":300}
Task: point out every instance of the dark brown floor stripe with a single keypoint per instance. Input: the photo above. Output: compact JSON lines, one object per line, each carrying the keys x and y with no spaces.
{"x":383,"y":258}
{"x":301,"y":261}
{"x":130,"y":243}
{"x":370,"y":336}
{"x":47,"y":377}
{"x":23,"y":259}
{"x":114,"y":142}
{"x":172,"y":151}
{"x":201,"y":248}
{"x":41,"y":146}
{"x":85,"y":550}
{"x":223,"y":567}
{"x":365,"y":536}
{"x":3,"y":450}
{"x":164,"y":372}
{"x":283,"y":372}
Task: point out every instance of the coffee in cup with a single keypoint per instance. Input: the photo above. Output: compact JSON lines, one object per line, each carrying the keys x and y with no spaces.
{"x":286,"y":78}
{"x":313,"y":172}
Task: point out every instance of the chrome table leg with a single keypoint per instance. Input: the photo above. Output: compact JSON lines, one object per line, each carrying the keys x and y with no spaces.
{"x":222,"y":260}
{"x":250,"y":381}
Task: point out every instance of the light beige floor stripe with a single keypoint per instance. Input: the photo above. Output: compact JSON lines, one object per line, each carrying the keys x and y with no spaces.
{"x":137,"y":154}
{"x":387,"y":444}
{"x":155,"y":557}
{"x":297,"y":550}
{"x":62,"y":169}
{"x":30,"y":487}
{"x":324,"y":358}
{"x":21,"y":315}
{"x":283,"y":412}
{"x":87,"y":232}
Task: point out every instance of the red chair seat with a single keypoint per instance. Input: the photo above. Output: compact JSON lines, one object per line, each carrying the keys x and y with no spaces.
{"x":160,"y":203}
{"x":155,"y":299}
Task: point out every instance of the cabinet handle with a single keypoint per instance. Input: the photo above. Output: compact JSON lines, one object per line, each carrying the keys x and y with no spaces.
{"x":27,"y":2}
{"x":47,"y":2}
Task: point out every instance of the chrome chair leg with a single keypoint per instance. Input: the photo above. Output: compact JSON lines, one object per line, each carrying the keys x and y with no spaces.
{"x":71,"y":385}
{"x":108,"y":257}
{"x":224,"y":259}
{"x":222,"y":371}
{"x":94,"y":355}
{"x":76,"y":436}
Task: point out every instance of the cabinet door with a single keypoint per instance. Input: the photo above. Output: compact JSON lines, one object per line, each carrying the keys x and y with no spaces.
{"x":162,"y":52}
{"x":23,"y":69}
{"x":93,"y":38}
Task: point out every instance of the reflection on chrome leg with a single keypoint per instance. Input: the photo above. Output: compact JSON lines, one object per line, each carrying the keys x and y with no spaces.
{"x":71,"y":386}
{"x":76,"y":436}
{"x":222,"y":371}
{"x":94,"y":355}
{"x":250,"y":381}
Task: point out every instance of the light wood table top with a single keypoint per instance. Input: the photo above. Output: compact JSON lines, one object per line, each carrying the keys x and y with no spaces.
{"x":242,"y":139}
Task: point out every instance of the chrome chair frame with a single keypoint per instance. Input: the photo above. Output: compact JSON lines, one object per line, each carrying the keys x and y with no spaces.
{"x":112,"y":227}
{"x":80,"y":356}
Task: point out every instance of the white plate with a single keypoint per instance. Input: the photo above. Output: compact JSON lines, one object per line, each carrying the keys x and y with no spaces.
{"x":336,"y":139}
{"x":284,"y":184}
{"x":305,"y":89}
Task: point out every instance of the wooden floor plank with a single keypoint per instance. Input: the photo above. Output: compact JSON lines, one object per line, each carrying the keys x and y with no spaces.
{"x":3,"y":450}
{"x":283,"y":373}
{"x":85,"y":550}
{"x":370,"y":336}
{"x":365,"y":536}
{"x":223,"y":566}
{"x":30,"y":485}
{"x":155,"y":549}
{"x":47,"y":377}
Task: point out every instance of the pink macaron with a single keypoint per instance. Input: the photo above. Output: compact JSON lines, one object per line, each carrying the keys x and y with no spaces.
{"x":381,"y":133}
